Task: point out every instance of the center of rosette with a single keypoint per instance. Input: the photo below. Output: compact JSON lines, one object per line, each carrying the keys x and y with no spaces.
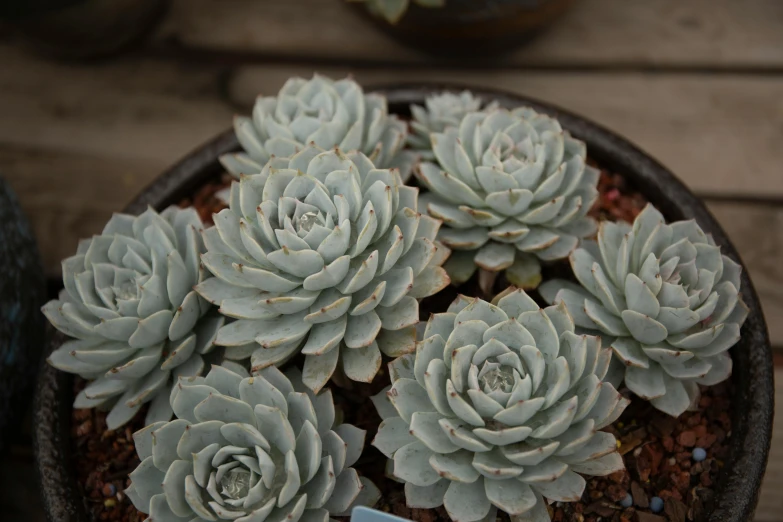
{"x":236,"y":483}
{"x":495,"y":377}
{"x":307,"y":220}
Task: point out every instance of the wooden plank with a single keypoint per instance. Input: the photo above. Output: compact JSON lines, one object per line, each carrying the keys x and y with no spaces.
{"x":70,"y":196}
{"x":757,"y":233}
{"x":770,"y":506}
{"x":129,"y":109}
{"x":612,"y":33}
{"x":719,"y":134}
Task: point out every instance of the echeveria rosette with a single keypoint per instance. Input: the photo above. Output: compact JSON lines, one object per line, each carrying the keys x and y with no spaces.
{"x":130,"y":305}
{"x":440,"y":111}
{"x":393,"y":10}
{"x":499,"y":407}
{"x":325,"y":113}
{"x":249,"y":449}
{"x":511,"y":188}
{"x":326,"y":255}
{"x":667,"y":296}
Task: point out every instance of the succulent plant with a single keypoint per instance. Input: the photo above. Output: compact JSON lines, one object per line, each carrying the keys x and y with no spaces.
{"x":324,"y":254}
{"x":440,"y":111}
{"x":668,"y":298}
{"x":511,"y":188}
{"x":393,"y":10}
{"x":249,"y":449}
{"x":499,"y":407}
{"x":325,"y":113}
{"x":129,"y":303}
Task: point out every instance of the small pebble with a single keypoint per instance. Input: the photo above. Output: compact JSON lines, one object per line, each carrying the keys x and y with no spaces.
{"x":699,"y":454}
{"x":656,"y":504}
{"x":672,"y":461}
{"x":109,"y":490}
{"x":627,"y":501}
{"x":109,"y":503}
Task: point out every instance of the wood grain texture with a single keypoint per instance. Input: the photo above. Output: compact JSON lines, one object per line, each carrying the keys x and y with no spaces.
{"x":68,"y":196}
{"x":720,"y":134}
{"x":129,"y":109}
{"x":613,"y":33}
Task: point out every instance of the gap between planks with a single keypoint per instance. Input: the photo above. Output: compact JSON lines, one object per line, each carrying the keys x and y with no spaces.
{"x":712,"y":34}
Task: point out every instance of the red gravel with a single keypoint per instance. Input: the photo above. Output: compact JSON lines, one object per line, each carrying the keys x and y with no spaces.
{"x":656,"y":448}
{"x":103,"y":459}
{"x":205,"y":201}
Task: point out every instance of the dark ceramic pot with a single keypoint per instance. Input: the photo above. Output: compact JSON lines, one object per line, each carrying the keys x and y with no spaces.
{"x":81,"y":29}
{"x":22,"y":292}
{"x":752,"y":404}
{"x":471,"y":27}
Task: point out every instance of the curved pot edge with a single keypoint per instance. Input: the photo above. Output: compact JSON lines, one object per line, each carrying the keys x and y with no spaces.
{"x":54,"y":389}
{"x":739,"y":488}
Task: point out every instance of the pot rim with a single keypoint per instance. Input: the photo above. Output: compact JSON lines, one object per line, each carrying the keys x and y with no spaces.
{"x":752,"y":408}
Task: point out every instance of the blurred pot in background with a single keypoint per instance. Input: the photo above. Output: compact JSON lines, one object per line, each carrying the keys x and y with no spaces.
{"x":463,"y":26}
{"x":21,"y":323}
{"x":80,"y":29}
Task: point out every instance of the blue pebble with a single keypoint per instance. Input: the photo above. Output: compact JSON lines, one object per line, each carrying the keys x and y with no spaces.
{"x":627,"y":501}
{"x":699,"y":454}
{"x":656,"y":504}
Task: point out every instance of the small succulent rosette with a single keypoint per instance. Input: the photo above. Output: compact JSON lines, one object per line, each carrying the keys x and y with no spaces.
{"x":130,"y":305}
{"x":393,"y":10}
{"x":666,"y":296}
{"x":325,"y":113}
{"x":249,"y":449}
{"x":440,"y":112}
{"x":325,"y":255}
{"x":512,"y":189}
{"x":500,"y":407}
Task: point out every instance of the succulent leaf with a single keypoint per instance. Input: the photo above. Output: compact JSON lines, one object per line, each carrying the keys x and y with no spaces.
{"x":232,"y":458}
{"x":668,"y":297}
{"x":129,"y":302}
{"x":498,"y":407}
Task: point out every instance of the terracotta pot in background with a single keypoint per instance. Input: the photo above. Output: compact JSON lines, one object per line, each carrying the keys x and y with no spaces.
{"x":471,"y":27}
{"x":752,"y":404}
{"x":81,"y":29}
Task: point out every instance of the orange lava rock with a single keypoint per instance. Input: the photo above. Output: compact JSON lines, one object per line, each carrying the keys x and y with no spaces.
{"x":687,"y":439}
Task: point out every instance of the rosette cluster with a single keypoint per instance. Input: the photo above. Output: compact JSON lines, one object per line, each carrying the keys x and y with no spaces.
{"x":499,"y":407}
{"x":325,"y":255}
{"x":666,"y":296}
{"x":129,"y":303}
{"x":249,"y":449}
{"x":511,"y":188}
{"x":325,"y":113}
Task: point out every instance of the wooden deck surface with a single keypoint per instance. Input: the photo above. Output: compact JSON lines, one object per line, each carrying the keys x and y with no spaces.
{"x":697,"y":83}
